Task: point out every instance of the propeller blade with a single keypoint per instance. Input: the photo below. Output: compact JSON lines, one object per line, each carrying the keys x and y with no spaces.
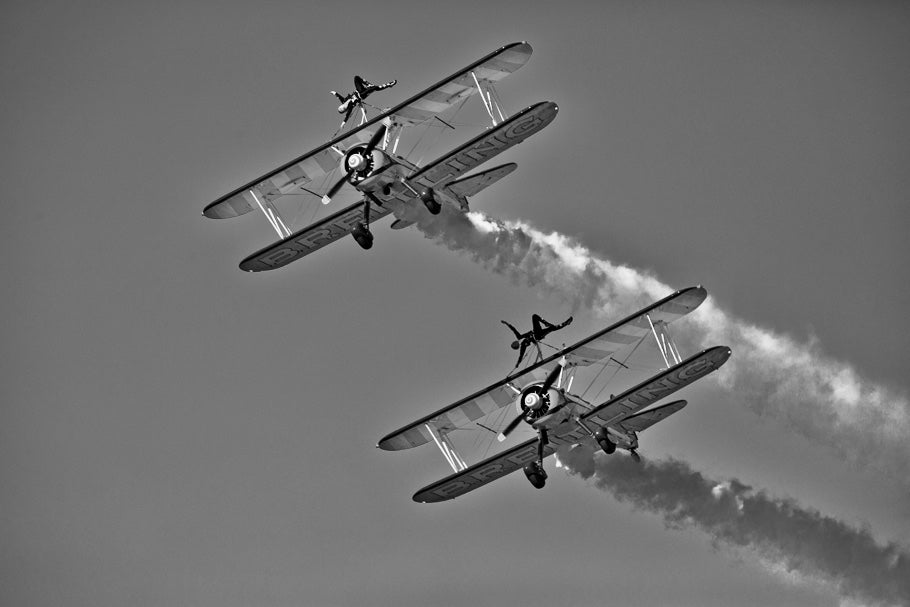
{"x":512,"y":425}
{"x":374,"y":140}
{"x":327,"y":198}
{"x":551,"y":378}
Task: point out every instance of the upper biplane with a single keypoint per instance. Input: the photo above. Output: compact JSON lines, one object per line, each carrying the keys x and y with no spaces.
{"x":543,"y":398}
{"x":367,"y":158}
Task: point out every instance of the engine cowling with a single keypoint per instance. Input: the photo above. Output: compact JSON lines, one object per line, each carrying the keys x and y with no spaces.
{"x":360,"y":165}
{"x":534,"y":402}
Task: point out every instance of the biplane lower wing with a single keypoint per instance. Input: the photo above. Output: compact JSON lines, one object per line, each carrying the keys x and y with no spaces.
{"x":613,"y":411}
{"x":482,"y":473}
{"x":311,"y":238}
{"x":598,"y":347}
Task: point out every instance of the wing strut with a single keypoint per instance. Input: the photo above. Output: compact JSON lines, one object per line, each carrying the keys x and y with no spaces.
{"x":664,"y":340}
{"x":490,"y":98}
{"x":271,"y":213}
{"x":448,"y":450}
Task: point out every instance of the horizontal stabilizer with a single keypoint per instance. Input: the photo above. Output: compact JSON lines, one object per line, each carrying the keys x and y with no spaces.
{"x":646,"y":419}
{"x":400,"y":224}
{"x":470,"y":185}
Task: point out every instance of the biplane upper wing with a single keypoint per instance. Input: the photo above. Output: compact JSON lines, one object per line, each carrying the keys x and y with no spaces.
{"x":603,"y":345}
{"x":472,"y":408}
{"x":597,"y":347}
{"x":461,"y":85}
{"x":612,"y":412}
{"x":310,"y":172}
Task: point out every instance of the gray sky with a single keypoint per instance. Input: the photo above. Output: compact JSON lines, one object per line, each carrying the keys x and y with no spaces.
{"x":175,"y":431}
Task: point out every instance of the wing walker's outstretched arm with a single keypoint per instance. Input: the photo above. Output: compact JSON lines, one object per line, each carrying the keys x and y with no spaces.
{"x":521,"y":343}
{"x":514,"y":330}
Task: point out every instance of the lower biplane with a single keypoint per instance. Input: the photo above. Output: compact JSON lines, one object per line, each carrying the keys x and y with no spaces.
{"x":366,"y":157}
{"x":543,"y":397}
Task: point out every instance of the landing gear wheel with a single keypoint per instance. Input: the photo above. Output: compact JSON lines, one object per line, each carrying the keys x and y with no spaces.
{"x":603,"y":439}
{"x":429,"y":201}
{"x":536,"y":474}
{"x":635,"y":456}
{"x":362,"y":235}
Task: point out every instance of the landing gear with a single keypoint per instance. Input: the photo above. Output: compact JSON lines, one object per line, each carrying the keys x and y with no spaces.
{"x":429,"y":201}
{"x":536,"y":474}
{"x":362,"y":235}
{"x":534,"y":471}
{"x":361,"y":231}
{"x":635,"y":456}
{"x":603,"y":440}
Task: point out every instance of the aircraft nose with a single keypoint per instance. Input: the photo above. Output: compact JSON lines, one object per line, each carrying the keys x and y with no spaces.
{"x":355,"y":161}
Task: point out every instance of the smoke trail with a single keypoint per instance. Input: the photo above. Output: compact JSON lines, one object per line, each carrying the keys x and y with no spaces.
{"x":822,"y":399}
{"x":801,"y":540}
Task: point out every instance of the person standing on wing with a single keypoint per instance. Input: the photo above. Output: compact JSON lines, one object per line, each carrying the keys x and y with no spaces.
{"x":540,"y":328}
{"x":362,"y":90}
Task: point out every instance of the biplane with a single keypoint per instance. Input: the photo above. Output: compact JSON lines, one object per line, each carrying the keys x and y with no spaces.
{"x":543,"y":398}
{"x":366,"y":157}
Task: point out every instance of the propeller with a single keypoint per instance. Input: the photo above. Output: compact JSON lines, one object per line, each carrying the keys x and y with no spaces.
{"x":512,"y":425}
{"x":359,"y":162}
{"x":537,"y":393}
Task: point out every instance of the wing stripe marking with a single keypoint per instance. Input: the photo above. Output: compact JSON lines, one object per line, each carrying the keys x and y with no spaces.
{"x":473,"y":411}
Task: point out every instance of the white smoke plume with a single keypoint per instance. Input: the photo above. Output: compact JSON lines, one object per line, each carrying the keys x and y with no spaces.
{"x":821,"y":398}
{"x":799,"y":540}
